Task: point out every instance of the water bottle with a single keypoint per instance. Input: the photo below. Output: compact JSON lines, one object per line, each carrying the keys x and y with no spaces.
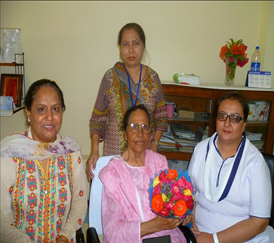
{"x":256,"y":60}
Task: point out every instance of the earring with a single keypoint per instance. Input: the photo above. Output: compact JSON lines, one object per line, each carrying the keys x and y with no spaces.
{"x":28,"y":120}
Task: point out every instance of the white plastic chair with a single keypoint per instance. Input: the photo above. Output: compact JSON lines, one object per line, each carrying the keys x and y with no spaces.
{"x":95,"y":217}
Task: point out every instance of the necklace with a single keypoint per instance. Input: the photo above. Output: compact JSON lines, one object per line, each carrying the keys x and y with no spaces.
{"x":131,"y":98}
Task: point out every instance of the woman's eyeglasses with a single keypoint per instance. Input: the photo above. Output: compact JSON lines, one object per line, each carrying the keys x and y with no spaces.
{"x":232,"y":118}
{"x":134,"y":127}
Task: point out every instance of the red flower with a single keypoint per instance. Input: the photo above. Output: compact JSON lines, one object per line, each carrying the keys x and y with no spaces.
{"x":180,"y":208}
{"x":164,"y":212}
{"x":223,"y":52}
{"x":157,"y":189}
{"x":157,"y":203}
{"x":172,"y":174}
{"x":162,"y":175}
{"x":189,"y":201}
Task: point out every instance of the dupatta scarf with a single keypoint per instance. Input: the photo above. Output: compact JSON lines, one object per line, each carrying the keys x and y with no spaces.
{"x":22,"y":146}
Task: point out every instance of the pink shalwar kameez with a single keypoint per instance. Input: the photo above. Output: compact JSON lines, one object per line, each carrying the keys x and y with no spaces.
{"x":125,"y":199}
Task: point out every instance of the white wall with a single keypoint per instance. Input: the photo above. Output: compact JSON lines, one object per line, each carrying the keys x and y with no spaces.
{"x":74,"y":43}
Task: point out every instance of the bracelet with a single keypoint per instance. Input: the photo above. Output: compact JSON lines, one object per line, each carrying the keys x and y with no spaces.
{"x":215,"y":238}
{"x":155,"y":141}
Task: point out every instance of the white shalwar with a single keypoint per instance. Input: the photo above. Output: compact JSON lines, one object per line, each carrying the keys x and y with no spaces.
{"x":249,"y":194}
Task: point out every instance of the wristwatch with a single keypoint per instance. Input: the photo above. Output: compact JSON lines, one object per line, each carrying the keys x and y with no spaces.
{"x":156,"y":142}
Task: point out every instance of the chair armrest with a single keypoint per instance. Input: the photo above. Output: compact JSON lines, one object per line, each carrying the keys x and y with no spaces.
{"x":80,"y":236}
{"x":190,"y":237}
{"x":92,"y":236}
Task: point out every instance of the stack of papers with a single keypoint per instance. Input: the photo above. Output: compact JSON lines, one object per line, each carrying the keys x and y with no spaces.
{"x":254,"y":136}
{"x":182,"y":130}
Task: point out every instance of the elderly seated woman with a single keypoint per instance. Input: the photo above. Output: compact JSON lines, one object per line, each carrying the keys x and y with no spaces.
{"x":126,"y":214}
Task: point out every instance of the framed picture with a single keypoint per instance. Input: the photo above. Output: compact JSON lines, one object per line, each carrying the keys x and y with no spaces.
{"x":11,"y":85}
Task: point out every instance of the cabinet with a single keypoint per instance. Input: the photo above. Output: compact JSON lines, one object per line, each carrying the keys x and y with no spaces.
{"x":204,"y":99}
{"x":17,"y":69}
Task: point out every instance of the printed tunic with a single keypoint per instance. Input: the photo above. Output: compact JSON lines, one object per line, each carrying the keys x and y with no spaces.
{"x":114,"y":99}
{"x":37,"y":207}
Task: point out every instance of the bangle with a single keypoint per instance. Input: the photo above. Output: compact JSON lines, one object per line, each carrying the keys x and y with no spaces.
{"x":215,"y":238}
{"x":155,"y":141}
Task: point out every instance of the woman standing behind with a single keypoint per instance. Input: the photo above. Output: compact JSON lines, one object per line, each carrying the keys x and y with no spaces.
{"x":127,"y":84}
{"x":43,"y":187}
{"x":231,"y":181}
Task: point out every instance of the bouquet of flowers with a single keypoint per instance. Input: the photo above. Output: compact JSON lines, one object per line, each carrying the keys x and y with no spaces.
{"x":171,"y":194}
{"x":234,"y":52}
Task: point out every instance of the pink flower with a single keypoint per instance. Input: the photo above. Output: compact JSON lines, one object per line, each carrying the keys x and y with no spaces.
{"x":176,"y":197}
{"x":156,"y":190}
{"x":169,"y":205}
{"x":175,"y":189}
{"x":242,"y":63}
{"x":184,"y":184}
{"x":165,"y":180}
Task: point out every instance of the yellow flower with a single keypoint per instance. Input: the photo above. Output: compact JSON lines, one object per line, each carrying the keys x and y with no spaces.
{"x":187,"y":192}
{"x":164,"y":197}
{"x":156,"y":181}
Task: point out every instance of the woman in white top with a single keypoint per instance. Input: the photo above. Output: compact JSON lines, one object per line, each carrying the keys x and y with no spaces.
{"x":231,"y":181}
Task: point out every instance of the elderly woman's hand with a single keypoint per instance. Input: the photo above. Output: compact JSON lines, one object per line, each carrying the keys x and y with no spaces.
{"x":167,"y":223}
{"x":159,"y":223}
{"x":188,"y":219}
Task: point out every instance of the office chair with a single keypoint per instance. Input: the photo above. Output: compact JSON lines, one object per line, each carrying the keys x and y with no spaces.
{"x":269,"y":158}
{"x":95,"y":222}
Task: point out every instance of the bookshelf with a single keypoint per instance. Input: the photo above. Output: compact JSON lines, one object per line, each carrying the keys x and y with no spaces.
{"x":203,"y":100}
{"x":18,"y":70}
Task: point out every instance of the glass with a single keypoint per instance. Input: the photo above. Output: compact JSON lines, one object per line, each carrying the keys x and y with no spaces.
{"x":134,"y":127}
{"x":232,"y":118}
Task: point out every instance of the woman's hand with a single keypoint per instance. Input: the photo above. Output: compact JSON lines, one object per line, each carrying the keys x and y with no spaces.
{"x":91,"y":164}
{"x":158,"y":224}
{"x":188,"y":219}
{"x":153,"y":147}
{"x":168,"y":223}
{"x":204,"y":238}
{"x":62,"y":239}
{"x":195,"y":229}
